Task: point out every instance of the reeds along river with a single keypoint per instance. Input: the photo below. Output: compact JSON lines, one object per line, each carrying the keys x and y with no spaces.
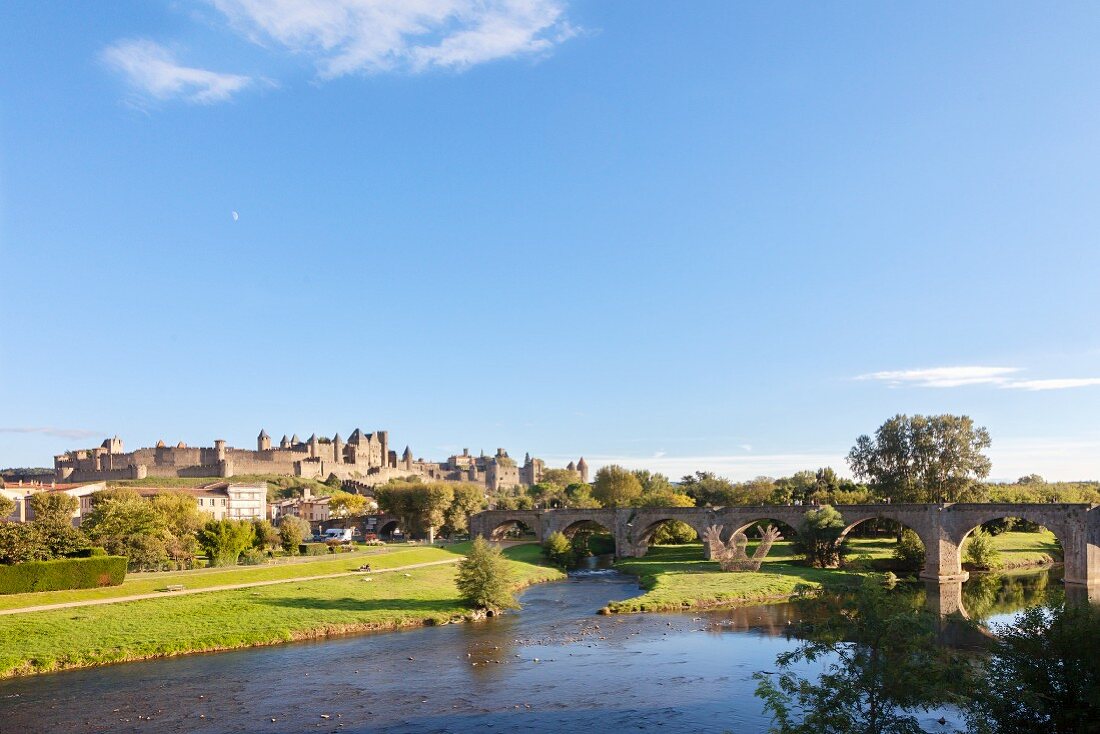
{"x":553,"y":667}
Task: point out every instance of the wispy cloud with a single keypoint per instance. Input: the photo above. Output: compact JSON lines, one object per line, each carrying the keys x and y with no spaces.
{"x":152,"y":71}
{"x":1002,"y":377}
{"x":943,"y":376}
{"x":349,"y":36}
{"x":1062,"y":383}
{"x":73,"y":433}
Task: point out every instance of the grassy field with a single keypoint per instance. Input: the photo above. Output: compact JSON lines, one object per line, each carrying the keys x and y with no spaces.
{"x":676,"y":577}
{"x":282,"y":568}
{"x":39,"y":642}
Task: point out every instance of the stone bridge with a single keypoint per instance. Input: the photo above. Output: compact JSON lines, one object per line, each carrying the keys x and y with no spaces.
{"x":942,"y":527}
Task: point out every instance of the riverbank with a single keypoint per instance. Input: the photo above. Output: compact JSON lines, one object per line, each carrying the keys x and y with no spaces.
{"x":676,"y":577}
{"x":39,"y":642}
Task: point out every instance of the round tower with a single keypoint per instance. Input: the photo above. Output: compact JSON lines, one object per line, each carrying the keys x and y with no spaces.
{"x":263,"y":441}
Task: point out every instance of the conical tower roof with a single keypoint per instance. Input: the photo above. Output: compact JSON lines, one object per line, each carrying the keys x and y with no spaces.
{"x":263,"y":434}
{"x":313,"y":438}
{"x":581,"y":463}
{"x":408,"y":451}
{"x":295,"y":439}
{"x":337,"y":439}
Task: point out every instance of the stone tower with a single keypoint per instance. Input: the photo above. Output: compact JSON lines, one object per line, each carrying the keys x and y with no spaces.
{"x":314,"y":445}
{"x":285,"y":443}
{"x":582,"y":467}
{"x":263,"y":441}
{"x":338,"y":449}
{"x":407,"y":458}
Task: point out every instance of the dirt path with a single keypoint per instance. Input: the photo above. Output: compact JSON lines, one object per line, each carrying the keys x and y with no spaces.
{"x":225,"y":587}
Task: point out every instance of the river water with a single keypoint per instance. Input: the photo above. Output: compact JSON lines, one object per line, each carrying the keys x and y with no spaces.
{"x":553,"y":667}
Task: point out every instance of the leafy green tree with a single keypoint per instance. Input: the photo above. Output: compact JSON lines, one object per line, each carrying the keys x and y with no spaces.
{"x":819,"y":537}
{"x":292,"y":531}
{"x":181,"y":513}
{"x":935,"y":458}
{"x":980,"y":551}
{"x":21,"y":542}
{"x":882,"y":665}
{"x":616,"y":487}
{"x":53,"y":508}
{"x":558,"y":550}
{"x":546,"y":494}
{"x":909,"y":552}
{"x":264,"y":535}
{"x":560,"y":477}
{"x":420,"y":507}
{"x":468,"y":499}
{"x":7,"y":506}
{"x":225,"y":540}
{"x":579,"y":497}
{"x":484,"y":580}
{"x":126,"y":524}
{"x":1043,"y":675}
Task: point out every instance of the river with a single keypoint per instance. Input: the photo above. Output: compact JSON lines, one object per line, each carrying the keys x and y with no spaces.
{"x":554,"y":666}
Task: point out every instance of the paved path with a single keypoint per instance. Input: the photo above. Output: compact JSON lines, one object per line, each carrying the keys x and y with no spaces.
{"x":224,"y":587}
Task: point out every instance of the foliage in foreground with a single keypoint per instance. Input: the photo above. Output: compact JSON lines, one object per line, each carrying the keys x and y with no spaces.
{"x":819,"y":537}
{"x":882,"y":665}
{"x":484,"y":580}
{"x":1043,"y":675}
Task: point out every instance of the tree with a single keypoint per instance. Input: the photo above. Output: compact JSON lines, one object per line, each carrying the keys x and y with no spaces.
{"x":264,"y":534}
{"x":7,"y":506}
{"x":579,"y":496}
{"x":909,"y":552}
{"x":180,"y":512}
{"x":345,"y":504}
{"x":225,"y":540}
{"x":558,"y":550}
{"x":53,"y":508}
{"x":484,"y":579}
{"x":924,"y":459}
{"x":1043,"y":675}
{"x":882,"y":664}
{"x":560,"y":477}
{"x":21,"y":542}
{"x":819,"y":537}
{"x":420,"y":507}
{"x":292,"y":530}
{"x":709,"y":490}
{"x":128,"y":525}
{"x":546,"y":494}
{"x":468,"y":500}
{"x":980,"y":551}
{"x":616,"y":487}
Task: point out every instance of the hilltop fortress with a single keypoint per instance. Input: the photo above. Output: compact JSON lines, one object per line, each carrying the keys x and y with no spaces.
{"x":365,"y":458}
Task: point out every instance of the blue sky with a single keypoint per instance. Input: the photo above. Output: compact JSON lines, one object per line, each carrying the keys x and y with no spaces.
{"x":723,"y":236}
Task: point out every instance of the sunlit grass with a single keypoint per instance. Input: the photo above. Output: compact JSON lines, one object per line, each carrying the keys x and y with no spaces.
{"x":44,"y":641}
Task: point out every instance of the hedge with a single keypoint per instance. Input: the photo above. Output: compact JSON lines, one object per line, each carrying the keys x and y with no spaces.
{"x":62,"y":573}
{"x":312,"y":549}
{"x":88,"y":552}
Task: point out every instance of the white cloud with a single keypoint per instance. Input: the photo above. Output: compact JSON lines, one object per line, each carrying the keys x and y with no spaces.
{"x":1062,"y":383}
{"x":964,"y":376}
{"x":73,"y":433}
{"x":348,"y":36}
{"x":943,"y":376}
{"x":153,"y":71}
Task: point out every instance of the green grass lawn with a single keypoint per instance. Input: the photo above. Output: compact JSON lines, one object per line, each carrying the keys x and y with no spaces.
{"x":145,"y":583}
{"x":676,"y":577}
{"x":39,"y":642}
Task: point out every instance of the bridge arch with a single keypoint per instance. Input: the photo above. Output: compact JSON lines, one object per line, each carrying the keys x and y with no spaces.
{"x":977,"y":519}
{"x":500,"y":528}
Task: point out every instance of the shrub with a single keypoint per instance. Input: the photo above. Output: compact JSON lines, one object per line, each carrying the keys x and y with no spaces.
{"x":253,"y":557}
{"x":291,"y":532}
{"x":674,"y":532}
{"x":484,"y":579}
{"x":312,"y":549}
{"x":980,"y":551}
{"x":225,"y":540}
{"x":819,"y":537}
{"x":558,"y":550}
{"x":909,"y":552}
{"x":145,"y":552}
{"x":63,"y":573}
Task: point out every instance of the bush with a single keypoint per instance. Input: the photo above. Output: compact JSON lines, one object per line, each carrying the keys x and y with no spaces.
{"x":674,"y":532}
{"x":312,"y":549}
{"x":291,"y":532}
{"x":558,"y":550}
{"x":819,"y":537}
{"x":484,"y":579}
{"x":253,"y":557}
{"x":225,"y":540}
{"x":64,"y":573}
{"x":980,"y":551}
{"x":909,"y":551}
